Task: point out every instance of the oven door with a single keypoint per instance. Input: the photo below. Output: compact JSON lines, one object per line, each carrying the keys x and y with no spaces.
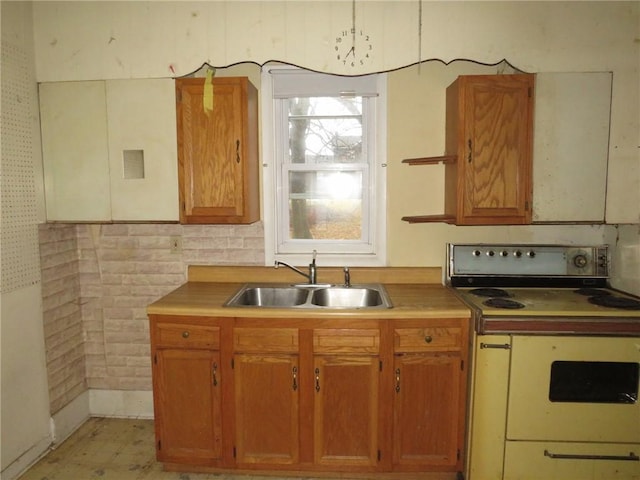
{"x":582,"y":389}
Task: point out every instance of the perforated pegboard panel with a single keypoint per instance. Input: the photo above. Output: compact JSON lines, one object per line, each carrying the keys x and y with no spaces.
{"x":19,"y":254}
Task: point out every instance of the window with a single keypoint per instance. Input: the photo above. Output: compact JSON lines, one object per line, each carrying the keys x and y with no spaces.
{"x":324,"y":142}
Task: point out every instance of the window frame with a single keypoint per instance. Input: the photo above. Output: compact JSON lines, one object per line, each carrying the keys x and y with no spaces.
{"x":274,"y":141}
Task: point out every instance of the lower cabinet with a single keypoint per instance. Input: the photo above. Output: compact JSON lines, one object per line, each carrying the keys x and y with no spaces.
{"x":265,"y":371}
{"x":187,"y":392}
{"x":310,"y":395}
{"x":430,"y":394}
{"x":346,"y":383}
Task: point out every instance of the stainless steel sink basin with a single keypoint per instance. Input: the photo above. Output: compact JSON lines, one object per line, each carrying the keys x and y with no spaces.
{"x":310,"y":296}
{"x":347,"y":297}
{"x":272,"y":296}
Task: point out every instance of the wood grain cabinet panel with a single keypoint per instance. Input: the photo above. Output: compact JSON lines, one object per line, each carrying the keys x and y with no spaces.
{"x":187,"y":389}
{"x":430,"y":385}
{"x":266,"y":403}
{"x":217,"y":150}
{"x":306,"y":395}
{"x":347,"y":397}
{"x":488,"y":151}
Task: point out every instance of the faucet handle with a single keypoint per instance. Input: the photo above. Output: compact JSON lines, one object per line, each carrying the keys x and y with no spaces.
{"x":347,"y":277}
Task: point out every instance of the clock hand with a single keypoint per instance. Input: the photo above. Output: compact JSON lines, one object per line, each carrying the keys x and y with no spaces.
{"x":351,"y":50}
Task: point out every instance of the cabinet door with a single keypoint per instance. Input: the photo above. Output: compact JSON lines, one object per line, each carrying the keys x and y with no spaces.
{"x":109,"y":150}
{"x":266,"y":402}
{"x":217,"y":150}
{"x":187,"y":406}
{"x":571,"y":146}
{"x":73,"y":121}
{"x":346,"y":410}
{"x":142,"y":149}
{"x":426,"y":410}
{"x":495,"y":149}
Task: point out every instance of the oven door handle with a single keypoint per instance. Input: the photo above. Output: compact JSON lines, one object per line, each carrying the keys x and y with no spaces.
{"x":504,"y":346}
{"x":632,"y":457}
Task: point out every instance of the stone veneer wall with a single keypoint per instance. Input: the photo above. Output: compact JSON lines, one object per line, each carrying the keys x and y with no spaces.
{"x":63,"y":329}
{"x":121,"y":268}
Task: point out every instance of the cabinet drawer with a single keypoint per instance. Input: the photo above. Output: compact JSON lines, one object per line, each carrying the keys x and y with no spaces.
{"x":567,"y":461}
{"x":342,"y":340}
{"x":259,"y":339}
{"x":421,"y":339}
{"x":187,"y":336}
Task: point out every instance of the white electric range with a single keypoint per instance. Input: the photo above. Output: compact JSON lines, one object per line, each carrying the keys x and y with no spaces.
{"x":555,"y":363}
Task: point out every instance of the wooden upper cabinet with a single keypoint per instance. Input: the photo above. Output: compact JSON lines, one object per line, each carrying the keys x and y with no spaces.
{"x":218,"y":150}
{"x":488,"y":151}
{"x":489,"y":128}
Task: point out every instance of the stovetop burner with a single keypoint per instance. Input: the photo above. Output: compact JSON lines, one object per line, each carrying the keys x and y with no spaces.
{"x":489,"y":292}
{"x":501,"y":302}
{"x":613,"y":301}
{"x":592,"y":292}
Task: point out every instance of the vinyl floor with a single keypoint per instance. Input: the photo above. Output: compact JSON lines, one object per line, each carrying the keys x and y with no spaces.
{"x":113,"y":449}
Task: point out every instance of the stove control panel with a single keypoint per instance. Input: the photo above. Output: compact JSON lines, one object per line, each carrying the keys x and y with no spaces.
{"x":528,"y":260}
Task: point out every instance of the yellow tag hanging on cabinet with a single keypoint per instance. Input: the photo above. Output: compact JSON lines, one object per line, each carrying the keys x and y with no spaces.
{"x":207,"y":98}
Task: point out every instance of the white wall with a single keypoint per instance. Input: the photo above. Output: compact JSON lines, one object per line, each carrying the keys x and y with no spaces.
{"x":24,"y":402}
{"x":93,"y":40}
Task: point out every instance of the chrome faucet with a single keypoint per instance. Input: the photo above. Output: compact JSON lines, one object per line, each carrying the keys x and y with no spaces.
{"x":347,"y":277}
{"x":312,"y":276}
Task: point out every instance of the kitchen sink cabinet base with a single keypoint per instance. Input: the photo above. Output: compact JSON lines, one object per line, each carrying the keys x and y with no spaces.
{"x":309,"y":397}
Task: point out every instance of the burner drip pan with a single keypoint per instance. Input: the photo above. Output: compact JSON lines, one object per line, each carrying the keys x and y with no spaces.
{"x":489,"y":292}
{"x":613,"y":301}
{"x":592,"y":292}
{"x":503,"y":303}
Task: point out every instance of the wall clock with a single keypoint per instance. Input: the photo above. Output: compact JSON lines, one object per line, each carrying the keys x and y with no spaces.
{"x":353,"y":45}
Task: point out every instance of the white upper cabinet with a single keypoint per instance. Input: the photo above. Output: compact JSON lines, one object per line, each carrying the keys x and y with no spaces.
{"x":571,"y":147}
{"x":75,"y":153}
{"x":109,"y":150}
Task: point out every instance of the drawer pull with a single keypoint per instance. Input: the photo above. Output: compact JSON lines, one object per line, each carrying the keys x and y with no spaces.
{"x":428,"y":339}
{"x":185,"y":334}
{"x":632,"y":457}
{"x":504,"y":346}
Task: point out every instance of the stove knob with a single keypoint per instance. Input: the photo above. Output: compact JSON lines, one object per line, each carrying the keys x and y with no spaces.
{"x":504,"y":253}
{"x":517,"y":253}
{"x":531,"y":254}
{"x":491,"y":253}
{"x":580,"y":260}
{"x":476,"y":253}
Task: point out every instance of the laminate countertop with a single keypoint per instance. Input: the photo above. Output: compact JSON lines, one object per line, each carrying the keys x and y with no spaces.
{"x":208,"y":288}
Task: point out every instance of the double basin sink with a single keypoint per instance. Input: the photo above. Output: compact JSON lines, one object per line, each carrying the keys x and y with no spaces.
{"x":309,"y":296}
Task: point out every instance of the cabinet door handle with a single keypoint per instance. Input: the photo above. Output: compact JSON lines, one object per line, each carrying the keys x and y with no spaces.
{"x":295,"y":378}
{"x":504,"y":346}
{"x":317,"y":379}
{"x":237,"y":151}
{"x":397,"y":380}
{"x":215,"y":374}
{"x":632,"y":457}
{"x":469,"y":156}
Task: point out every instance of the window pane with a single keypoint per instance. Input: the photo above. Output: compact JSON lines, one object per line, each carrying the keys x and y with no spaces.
{"x":325,"y":205}
{"x":325,"y":130}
